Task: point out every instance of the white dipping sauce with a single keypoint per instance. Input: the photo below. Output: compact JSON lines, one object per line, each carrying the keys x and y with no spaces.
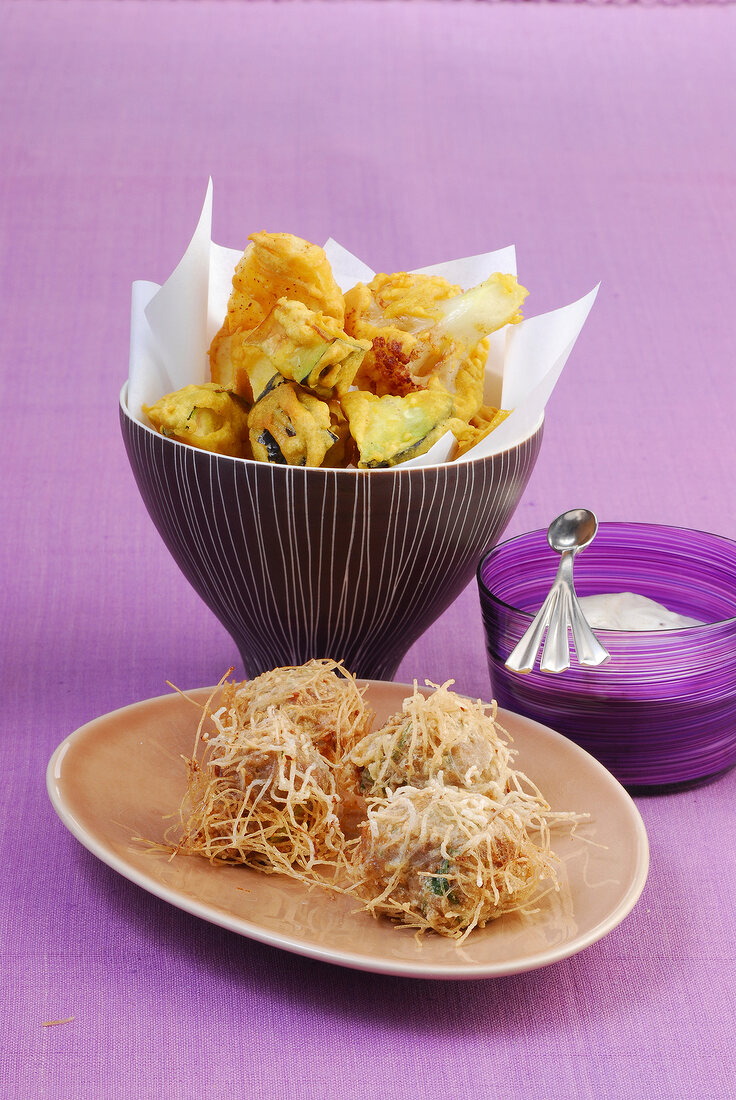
{"x":629,"y":611}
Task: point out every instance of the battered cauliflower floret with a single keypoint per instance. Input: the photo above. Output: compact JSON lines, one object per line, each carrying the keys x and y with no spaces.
{"x":206,"y":416}
{"x":389,"y":311}
{"x":422,"y":328}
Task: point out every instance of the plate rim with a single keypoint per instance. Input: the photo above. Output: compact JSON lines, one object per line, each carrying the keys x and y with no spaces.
{"x":339,"y":957}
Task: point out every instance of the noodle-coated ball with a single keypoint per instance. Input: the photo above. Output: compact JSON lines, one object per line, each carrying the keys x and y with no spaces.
{"x":320,"y":698}
{"x":262,"y":795}
{"x":445,"y":859}
{"x":443,"y":733}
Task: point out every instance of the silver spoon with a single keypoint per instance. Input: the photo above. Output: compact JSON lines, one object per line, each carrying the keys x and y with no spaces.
{"x":568,"y":535}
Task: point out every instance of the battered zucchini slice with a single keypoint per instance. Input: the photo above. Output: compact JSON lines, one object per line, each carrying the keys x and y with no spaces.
{"x":238,"y":366}
{"x":290,"y":427}
{"x":303,"y":346}
{"x":389,"y":430}
{"x":206,"y":416}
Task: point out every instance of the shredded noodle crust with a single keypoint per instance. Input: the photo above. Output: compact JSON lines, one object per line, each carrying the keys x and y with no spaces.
{"x":442,"y":732}
{"x":261,"y":795}
{"x":452,"y":836}
{"x":320,"y":697}
{"x":449,"y":860}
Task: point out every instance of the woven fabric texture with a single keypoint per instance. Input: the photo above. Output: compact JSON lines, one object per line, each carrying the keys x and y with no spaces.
{"x":601,"y":143}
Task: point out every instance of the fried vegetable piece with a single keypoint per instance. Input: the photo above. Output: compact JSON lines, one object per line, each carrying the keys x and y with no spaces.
{"x":261,"y":794}
{"x":442,"y":734}
{"x":290,"y":427}
{"x":481,"y":310}
{"x":446,"y":859}
{"x":469,"y":382}
{"x":241,"y":369}
{"x":298,"y":344}
{"x":478,"y":427}
{"x":391,"y":429}
{"x":275,"y":265}
{"x":206,"y":416}
{"x":343,"y":452}
{"x":320,"y":698}
{"x":389,"y":312}
{"x":423,"y":328}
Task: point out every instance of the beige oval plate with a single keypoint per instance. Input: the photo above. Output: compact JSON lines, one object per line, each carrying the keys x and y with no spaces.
{"x":118,"y":777}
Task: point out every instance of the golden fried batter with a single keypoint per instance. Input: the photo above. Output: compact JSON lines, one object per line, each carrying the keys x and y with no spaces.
{"x":373,"y":378}
{"x":298,"y":344}
{"x":424,"y":329}
{"x":275,"y":265}
{"x":206,"y":416}
{"x":388,"y":311}
{"x":290,"y":427}
{"x":468,"y":433}
{"x":389,"y":429}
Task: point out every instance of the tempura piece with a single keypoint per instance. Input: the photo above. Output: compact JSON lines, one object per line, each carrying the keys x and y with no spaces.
{"x":445,"y":859}
{"x":206,"y":416}
{"x":470,"y":382}
{"x":481,"y":310}
{"x":261,"y":795}
{"x":290,"y":427}
{"x":242,"y":369}
{"x":479,"y":426}
{"x":388,"y":429}
{"x":441,"y":734}
{"x":389,"y":311}
{"x":320,"y":698}
{"x":275,"y":265}
{"x":423,"y":328}
{"x":343,"y":452}
{"x":300,"y":345}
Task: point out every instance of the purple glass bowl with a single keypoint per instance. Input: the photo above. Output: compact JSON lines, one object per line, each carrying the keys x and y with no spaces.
{"x":662,"y":711}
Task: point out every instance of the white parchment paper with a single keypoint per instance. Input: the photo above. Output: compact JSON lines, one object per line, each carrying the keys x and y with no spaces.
{"x":172,"y":327}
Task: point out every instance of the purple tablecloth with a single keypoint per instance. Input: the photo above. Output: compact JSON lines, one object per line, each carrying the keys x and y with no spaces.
{"x":601,"y":142}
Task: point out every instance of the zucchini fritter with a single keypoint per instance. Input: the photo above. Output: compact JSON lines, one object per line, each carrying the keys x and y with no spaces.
{"x":206,"y":416}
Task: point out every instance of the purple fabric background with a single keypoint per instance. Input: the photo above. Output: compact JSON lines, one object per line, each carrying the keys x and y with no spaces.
{"x":601,"y":143}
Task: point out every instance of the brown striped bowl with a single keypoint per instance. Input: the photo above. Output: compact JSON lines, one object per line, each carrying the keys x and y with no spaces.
{"x":299,"y":563}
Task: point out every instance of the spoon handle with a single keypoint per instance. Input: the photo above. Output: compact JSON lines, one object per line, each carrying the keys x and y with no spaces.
{"x":587,"y":647}
{"x":556,"y":652}
{"x":524,"y":653}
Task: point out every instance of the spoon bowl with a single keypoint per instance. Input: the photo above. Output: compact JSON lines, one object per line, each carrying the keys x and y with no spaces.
{"x":573,"y":530}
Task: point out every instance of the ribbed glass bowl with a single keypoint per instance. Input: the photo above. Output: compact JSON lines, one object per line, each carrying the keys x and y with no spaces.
{"x":662,"y":712}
